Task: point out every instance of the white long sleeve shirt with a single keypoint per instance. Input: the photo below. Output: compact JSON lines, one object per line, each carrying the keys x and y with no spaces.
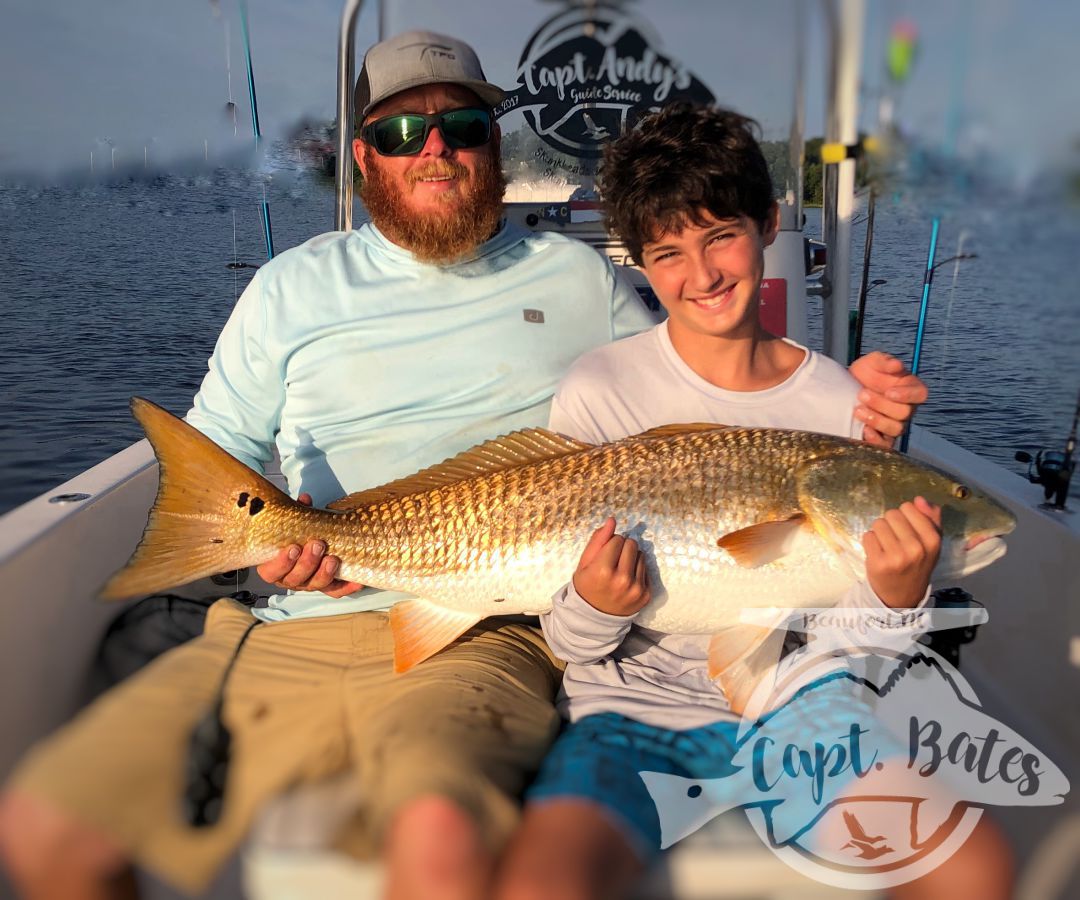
{"x":631,"y":386}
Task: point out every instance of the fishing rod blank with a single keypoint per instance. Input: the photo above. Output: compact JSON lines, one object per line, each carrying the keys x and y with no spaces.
{"x":928,"y":279}
{"x":267,"y":228}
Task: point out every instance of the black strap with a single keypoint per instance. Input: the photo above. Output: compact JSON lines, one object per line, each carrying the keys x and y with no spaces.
{"x":208,"y":756}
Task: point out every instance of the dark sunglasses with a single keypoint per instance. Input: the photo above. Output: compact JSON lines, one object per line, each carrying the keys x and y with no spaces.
{"x":406,"y":133}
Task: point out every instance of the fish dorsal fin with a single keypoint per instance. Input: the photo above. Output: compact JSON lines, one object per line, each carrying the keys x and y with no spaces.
{"x":685,"y":428}
{"x":507,"y":452}
{"x":421,"y":629}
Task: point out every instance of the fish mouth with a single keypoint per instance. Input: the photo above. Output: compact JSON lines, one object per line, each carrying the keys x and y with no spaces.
{"x":981,"y":550}
{"x":976,"y":553}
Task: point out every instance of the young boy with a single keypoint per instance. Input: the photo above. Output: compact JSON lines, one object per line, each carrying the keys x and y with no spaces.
{"x":689,"y":192}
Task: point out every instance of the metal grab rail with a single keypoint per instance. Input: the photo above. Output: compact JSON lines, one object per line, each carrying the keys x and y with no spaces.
{"x":343,"y":195}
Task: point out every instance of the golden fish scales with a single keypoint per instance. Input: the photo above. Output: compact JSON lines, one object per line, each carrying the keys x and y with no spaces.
{"x":455,"y":530}
{"x":727,"y":518}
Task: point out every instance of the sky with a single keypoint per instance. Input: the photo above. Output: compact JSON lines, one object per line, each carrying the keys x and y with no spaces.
{"x":150,"y":76}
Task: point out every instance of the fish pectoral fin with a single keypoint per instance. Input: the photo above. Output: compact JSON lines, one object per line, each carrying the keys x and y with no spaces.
{"x":421,"y":629}
{"x":521,"y":448}
{"x":739,"y":657}
{"x":762,"y":543}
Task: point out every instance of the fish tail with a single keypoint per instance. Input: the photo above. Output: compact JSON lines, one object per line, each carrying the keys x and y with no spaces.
{"x":208,"y":515}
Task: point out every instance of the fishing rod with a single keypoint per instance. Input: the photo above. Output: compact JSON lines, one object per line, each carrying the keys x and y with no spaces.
{"x":864,"y":287}
{"x":1054,"y":468}
{"x":924,"y":306}
{"x":230,"y":104}
{"x":267,"y":228}
{"x":928,"y":279}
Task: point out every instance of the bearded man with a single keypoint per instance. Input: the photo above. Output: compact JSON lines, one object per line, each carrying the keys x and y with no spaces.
{"x":360,"y":357}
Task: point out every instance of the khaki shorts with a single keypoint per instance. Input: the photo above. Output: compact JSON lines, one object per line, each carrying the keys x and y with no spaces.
{"x":306,"y":699}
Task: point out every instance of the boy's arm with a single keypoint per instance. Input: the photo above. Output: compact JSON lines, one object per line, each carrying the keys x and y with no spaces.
{"x":889,"y":397}
{"x":591,"y":615}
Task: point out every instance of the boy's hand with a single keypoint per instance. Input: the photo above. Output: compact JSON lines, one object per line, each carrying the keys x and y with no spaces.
{"x":889,"y":397}
{"x":902,"y":549}
{"x":307,"y":568}
{"x":611,"y":576}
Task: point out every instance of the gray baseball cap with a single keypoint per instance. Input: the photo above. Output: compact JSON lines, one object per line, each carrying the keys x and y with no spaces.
{"x":414,"y":58}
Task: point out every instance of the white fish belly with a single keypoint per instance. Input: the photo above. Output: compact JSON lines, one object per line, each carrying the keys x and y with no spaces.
{"x":696,"y":587}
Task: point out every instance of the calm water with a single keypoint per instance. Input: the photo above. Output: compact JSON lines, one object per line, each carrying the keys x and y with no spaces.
{"x":110,"y":290}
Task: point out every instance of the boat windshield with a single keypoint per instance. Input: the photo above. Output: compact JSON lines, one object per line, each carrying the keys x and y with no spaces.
{"x":579,"y":73}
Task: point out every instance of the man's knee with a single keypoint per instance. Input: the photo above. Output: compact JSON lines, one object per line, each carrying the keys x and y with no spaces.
{"x":436,"y":818}
{"x":565,"y":849}
{"x":39,"y":840}
{"x":433,"y":848}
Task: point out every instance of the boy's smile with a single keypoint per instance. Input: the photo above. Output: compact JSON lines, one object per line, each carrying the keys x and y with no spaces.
{"x":708,"y":275}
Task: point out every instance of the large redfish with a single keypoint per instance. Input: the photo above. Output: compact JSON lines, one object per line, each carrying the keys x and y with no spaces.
{"x":728,"y":518}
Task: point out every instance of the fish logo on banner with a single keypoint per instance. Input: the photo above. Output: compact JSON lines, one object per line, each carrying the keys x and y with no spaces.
{"x":589,"y":73}
{"x":863,"y":768}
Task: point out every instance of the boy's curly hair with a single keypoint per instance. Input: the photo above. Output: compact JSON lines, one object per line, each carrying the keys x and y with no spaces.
{"x":678,"y":162}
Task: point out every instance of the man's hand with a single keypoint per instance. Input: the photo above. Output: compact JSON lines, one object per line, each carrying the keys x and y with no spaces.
{"x":902,"y":549}
{"x":611,"y":576}
{"x":889,"y":396}
{"x":307,"y":568}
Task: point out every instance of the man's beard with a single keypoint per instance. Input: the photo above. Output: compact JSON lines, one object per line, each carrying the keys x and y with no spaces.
{"x":471,"y":217}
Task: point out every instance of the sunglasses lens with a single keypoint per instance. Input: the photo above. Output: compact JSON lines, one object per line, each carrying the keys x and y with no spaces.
{"x":398,"y":135}
{"x":465,"y":127}
{"x":404,"y":135}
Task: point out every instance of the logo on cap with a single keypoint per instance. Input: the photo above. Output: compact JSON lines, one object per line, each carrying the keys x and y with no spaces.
{"x":434,"y":49}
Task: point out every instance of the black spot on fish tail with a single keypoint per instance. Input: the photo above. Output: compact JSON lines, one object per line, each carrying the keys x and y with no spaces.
{"x":500,"y":600}
{"x":216,"y":541}
{"x":242,"y":500}
{"x":257,"y":504}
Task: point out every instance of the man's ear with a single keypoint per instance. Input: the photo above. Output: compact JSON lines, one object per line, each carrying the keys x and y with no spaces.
{"x":496,"y":139}
{"x":772,"y":225}
{"x":359,"y":154}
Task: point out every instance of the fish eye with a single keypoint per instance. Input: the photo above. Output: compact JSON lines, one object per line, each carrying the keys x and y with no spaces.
{"x":960,"y":492}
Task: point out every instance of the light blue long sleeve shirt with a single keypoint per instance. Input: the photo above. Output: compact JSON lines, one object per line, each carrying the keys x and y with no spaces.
{"x":363,"y":365}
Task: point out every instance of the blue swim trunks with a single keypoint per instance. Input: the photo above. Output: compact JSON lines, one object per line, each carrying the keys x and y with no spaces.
{"x":600,"y":758}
